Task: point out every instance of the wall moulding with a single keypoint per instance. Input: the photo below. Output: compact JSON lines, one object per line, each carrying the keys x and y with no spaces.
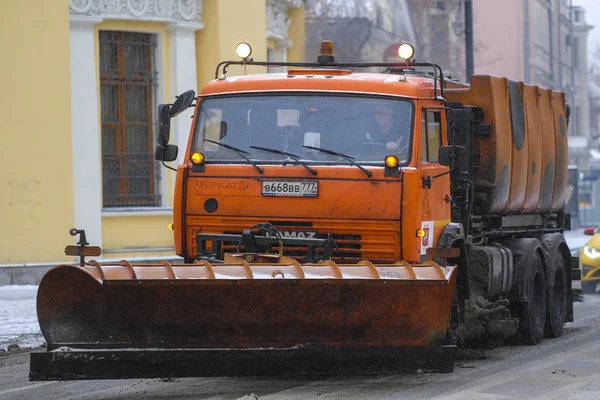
{"x":149,"y":10}
{"x":278,"y":20}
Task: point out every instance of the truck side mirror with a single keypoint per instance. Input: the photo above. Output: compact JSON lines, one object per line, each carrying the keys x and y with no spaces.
{"x":453,"y":156}
{"x":166,"y":152}
{"x":164,"y":124}
{"x":183,"y":102}
{"x":168,"y":111}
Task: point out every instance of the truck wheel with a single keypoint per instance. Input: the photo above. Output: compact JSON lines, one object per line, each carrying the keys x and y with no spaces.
{"x":556,"y":284}
{"x":588,"y":287}
{"x":531,"y":281}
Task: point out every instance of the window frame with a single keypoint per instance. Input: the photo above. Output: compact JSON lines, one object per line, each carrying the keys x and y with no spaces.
{"x":155,"y":195}
{"x":425,"y":152}
{"x":201,"y":99}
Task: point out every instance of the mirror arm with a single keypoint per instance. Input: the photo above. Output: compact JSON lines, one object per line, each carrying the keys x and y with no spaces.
{"x":439,"y":175}
{"x":168,"y":166}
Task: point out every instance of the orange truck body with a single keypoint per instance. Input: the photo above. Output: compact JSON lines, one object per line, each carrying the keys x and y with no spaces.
{"x":422,"y":246}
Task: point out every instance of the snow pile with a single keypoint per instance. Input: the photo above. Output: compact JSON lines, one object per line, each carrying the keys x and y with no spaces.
{"x":18,"y":319}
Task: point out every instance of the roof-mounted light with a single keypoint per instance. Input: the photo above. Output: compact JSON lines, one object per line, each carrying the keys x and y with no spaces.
{"x":406,"y":51}
{"x":243,"y":50}
{"x":326,"y":55}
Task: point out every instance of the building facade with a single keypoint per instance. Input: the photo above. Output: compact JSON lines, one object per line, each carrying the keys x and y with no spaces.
{"x":99,"y":69}
{"x":541,"y":42}
{"x":361,"y":30}
{"x":440,"y":38}
{"x":584,"y":138}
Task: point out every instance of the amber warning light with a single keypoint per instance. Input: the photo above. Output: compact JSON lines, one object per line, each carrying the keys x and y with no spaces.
{"x":326,"y":55}
{"x":197,"y":158}
{"x":391,"y":161}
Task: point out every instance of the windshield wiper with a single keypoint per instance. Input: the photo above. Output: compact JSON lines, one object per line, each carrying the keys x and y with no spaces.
{"x":342,"y":156}
{"x":239,"y":151}
{"x":292,"y":156}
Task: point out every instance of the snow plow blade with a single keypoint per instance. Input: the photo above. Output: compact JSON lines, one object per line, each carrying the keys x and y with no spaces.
{"x":269,"y":317}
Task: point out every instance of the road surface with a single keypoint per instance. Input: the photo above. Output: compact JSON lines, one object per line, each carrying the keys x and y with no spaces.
{"x":564,"y":368}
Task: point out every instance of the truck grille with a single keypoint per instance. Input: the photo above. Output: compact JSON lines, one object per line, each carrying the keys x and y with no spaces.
{"x":348,"y":245}
{"x":374,"y":241}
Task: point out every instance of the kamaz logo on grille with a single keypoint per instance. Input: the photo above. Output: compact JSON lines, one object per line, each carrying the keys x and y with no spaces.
{"x":297,"y":234}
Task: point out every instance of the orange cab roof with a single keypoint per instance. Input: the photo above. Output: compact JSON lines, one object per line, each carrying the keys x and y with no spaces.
{"x":415,"y":86}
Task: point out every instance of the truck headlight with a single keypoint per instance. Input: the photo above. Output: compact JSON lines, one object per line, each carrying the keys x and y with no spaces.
{"x":591,"y":252}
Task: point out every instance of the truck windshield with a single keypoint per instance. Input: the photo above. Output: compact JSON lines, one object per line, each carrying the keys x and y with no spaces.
{"x":365,"y":128}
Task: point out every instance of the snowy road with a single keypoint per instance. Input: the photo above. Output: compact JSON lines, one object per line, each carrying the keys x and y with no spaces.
{"x":564,"y":368}
{"x":18,"y":320}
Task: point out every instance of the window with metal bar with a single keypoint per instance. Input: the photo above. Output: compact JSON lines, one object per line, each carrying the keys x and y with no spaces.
{"x":128,"y":81}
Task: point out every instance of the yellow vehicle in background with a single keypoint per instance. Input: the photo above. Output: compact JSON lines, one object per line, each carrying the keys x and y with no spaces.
{"x":589,"y":261}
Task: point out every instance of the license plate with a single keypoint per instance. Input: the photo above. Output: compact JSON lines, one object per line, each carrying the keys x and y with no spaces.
{"x":286,"y":188}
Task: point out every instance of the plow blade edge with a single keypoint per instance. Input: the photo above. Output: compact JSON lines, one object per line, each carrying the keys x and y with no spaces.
{"x":132,"y":321}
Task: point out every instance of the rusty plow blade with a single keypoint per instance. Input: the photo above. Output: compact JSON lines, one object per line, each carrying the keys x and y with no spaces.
{"x":270,"y":317}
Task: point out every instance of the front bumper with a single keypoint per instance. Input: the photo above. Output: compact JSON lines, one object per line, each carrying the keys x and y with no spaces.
{"x":589,"y":272}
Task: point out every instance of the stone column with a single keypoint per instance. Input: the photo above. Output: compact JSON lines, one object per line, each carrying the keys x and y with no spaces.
{"x":87,"y":162}
{"x":183,"y":77}
{"x":281,"y":52}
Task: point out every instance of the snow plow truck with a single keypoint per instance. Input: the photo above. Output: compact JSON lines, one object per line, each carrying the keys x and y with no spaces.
{"x":331,"y":220}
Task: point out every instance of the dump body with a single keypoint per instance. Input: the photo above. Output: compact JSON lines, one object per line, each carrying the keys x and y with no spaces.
{"x":524,"y":157}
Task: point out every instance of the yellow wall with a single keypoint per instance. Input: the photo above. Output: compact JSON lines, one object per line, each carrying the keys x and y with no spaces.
{"x":36,"y":174}
{"x":136,"y":231}
{"x":217,"y":41}
{"x":297,"y":34}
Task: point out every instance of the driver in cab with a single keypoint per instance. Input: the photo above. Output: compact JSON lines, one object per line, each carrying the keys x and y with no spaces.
{"x":386,"y":129}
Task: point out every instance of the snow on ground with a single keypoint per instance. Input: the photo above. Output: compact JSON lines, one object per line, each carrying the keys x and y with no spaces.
{"x":18,"y":319}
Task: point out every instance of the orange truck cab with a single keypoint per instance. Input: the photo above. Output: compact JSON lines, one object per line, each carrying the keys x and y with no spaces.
{"x":349,"y":155}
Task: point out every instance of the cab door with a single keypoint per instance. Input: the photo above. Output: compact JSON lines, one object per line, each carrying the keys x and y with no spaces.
{"x":435,"y":180}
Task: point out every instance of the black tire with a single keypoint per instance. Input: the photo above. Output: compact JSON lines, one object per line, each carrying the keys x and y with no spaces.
{"x":588,"y":287}
{"x":531,"y":282}
{"x":556,"y":284}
